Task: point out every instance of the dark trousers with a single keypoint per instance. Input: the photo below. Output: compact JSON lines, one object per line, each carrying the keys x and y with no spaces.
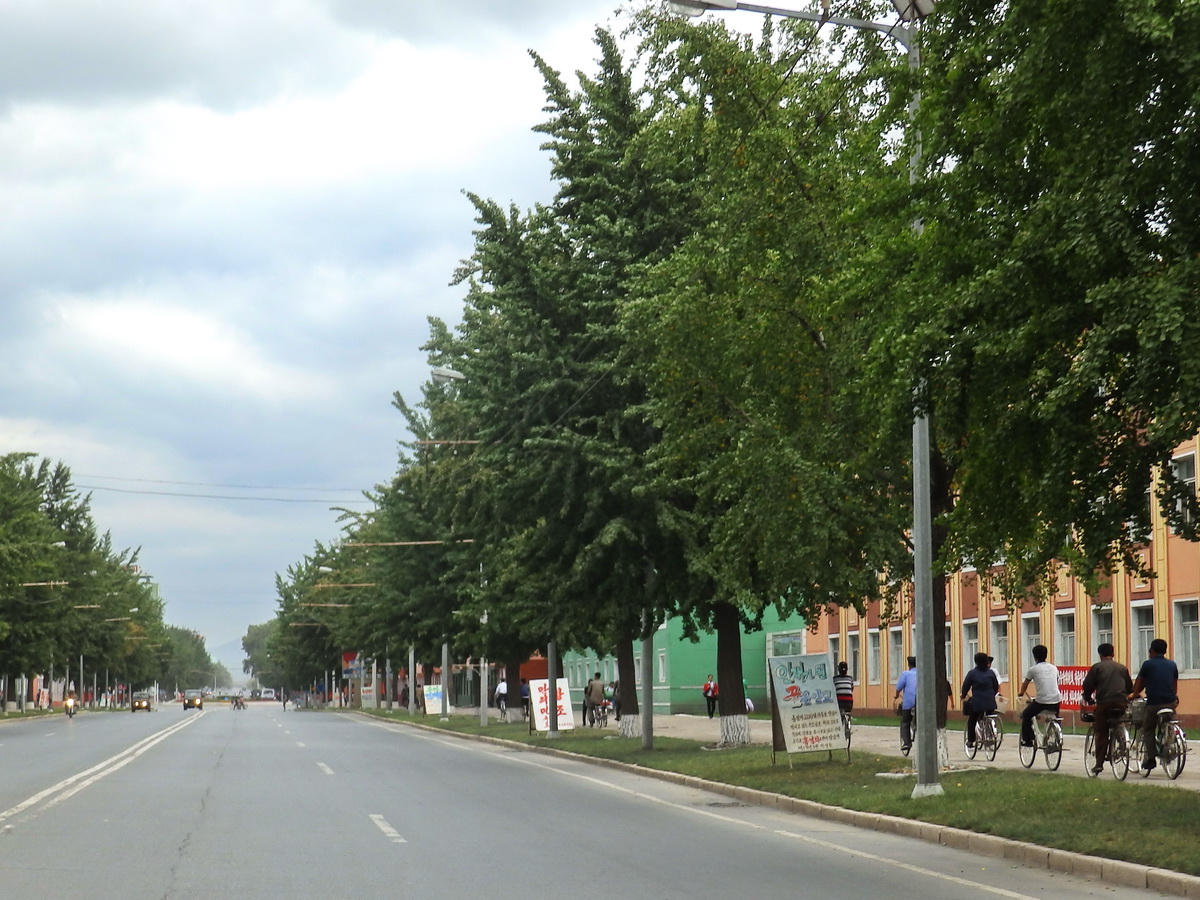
{"x":712,"y":705}
{"x":1027,"y":714}
{"x":1105,"y":714}
{"x":907,"y":716}
{"x":1150,"y":731}
{"x":973,"y":717}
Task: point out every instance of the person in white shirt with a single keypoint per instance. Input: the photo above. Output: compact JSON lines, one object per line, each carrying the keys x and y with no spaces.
{"x":1046,"y":698}
{"x":502,"y":697}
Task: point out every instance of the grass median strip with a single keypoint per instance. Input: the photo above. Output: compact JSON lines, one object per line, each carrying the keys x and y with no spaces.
{"x":1141,"y":823}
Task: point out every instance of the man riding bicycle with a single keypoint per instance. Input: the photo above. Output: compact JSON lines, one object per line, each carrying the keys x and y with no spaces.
{"x":1046,"y":698}
{"x":1109,"y":683}
{"x":906,"y":693}
{"x":1159,"y":678}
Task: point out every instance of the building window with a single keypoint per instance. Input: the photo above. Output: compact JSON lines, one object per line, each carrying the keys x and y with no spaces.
{"x":790,"y":643}
{"x":853,"y":657}
{"x":1031,"y":636}
{"x":895,"y":654}
{"x":873,"y":651}
{"x":1102,"y":627}
{"x":1064,"y":638}
{"x":1187,"y":634}
{"x":1184,"y":470}
{"x":637,"y":669}
{"x":999,"y":645}
{"x":947,"y":649}
{"x":835,"y":641}
{"x":970,"y":645}
{"x":1143,"y":633}
{"x":662,"y":666}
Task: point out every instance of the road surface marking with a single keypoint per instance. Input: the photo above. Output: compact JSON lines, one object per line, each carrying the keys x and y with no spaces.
{"x":299,"y":743}
{"x":324,"y":768}
{"x":392,"y":834}
{"x":68,"y":787}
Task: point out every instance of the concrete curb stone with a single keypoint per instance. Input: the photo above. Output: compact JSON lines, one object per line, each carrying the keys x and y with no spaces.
{"x":1094,"y":868}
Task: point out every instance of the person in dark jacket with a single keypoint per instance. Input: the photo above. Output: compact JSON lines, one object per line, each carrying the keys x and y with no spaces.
{"x":982,"y":686}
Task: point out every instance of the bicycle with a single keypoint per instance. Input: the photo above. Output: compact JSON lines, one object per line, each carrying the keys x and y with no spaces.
{"x":989,"y":734}
{"x":1118,"y":744}
{"x":905,"y":749}
{"x":1047,"y":737}
{"x":1170,"y":742}
{"x":600,"y":714}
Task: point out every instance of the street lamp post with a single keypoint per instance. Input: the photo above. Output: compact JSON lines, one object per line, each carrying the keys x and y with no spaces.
{"x":927,"y":618}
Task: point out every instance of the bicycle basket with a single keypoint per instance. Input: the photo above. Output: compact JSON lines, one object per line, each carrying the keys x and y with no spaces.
{"x":1087,"y":714}
{"x":1137,"y":708}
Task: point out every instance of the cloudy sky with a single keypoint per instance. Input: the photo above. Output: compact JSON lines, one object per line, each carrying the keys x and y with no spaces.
{"x":224,"y":223}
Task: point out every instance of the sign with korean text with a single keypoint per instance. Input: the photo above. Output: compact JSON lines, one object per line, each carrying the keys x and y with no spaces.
{"x":1070,"y":686}
{"x":539,"y":702}
{"x":805,"y":704}
{"x":433,"y":699}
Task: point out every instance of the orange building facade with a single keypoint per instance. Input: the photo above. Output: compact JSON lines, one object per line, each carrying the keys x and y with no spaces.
{"x":1129,"y":613}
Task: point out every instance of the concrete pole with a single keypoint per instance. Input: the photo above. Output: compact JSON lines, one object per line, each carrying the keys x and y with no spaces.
{"x":552,"y":675}
{"x":412,"y":687}
{"x":445,"y":681}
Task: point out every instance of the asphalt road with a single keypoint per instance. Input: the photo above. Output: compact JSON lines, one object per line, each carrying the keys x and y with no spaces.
{"x":264,"y":803}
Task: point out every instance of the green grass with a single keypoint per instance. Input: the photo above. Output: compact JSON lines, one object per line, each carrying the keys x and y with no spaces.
{"x":1149,"y":824}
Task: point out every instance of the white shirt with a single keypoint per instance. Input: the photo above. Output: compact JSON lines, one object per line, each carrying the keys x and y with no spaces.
{"x":1044,"y":678}
{"x":502,"y":689}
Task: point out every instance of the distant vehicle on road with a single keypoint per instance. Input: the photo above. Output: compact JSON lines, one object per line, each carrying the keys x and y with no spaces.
{"x":141,"y":700}
{"x":193,"y":699}
{"x":268,"y":694}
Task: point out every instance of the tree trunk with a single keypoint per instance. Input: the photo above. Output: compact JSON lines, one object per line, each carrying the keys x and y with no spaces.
{"x":630,"y":724}
{"x":731,"y":696}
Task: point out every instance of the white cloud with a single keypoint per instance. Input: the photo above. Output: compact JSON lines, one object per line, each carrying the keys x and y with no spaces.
{"x":148,"y":340}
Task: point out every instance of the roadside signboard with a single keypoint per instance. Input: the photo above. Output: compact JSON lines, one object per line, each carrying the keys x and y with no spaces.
{"x":539,"y":703}
{"x":1070,"y":686}
{"x":805,"y":708}
{"x":433,"y":699}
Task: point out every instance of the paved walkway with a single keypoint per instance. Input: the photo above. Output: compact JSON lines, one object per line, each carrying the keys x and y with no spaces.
{"x":886,"y":741}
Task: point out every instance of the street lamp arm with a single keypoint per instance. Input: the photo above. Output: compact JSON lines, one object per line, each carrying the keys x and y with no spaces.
{"x":897,"y":32}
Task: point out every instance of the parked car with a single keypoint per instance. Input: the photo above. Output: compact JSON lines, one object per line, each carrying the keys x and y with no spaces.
{"x":141,"y":700}
{"x":193,"y":699}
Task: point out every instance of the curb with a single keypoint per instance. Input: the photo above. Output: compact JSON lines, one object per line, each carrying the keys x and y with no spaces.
{"x":1093,"y":868}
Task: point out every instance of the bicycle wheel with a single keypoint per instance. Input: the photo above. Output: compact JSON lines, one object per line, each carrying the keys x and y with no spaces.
{"x":1027,"y":754}
{"x":1089,"y":753}
{"x":1118,"y":750}
{"x":1052,"y":746}
{"x":968,"y":748}
{"x":1137,"y":752}
{"x":1174,"y":751}
{"x":993,"y":735}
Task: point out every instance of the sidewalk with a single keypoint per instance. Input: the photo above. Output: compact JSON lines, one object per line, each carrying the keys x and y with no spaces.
{"x":878,"y":739}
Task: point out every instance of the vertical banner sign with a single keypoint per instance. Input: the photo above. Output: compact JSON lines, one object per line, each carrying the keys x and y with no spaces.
{"x":1070,"y":686}
{"x":539,"y":701}
{"x":805,"y":703}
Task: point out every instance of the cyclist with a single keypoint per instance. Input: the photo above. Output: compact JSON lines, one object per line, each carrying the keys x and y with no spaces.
{"x":502,"y":697}
{"x":983,"y":687}
{"x":1108,"y":682}
{"x":1159,"y":678}
{"x":906,"y":693}
{"x":1046,"y":698}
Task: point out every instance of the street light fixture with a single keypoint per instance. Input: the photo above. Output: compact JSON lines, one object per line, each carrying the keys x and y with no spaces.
{"x":927,"y":619}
